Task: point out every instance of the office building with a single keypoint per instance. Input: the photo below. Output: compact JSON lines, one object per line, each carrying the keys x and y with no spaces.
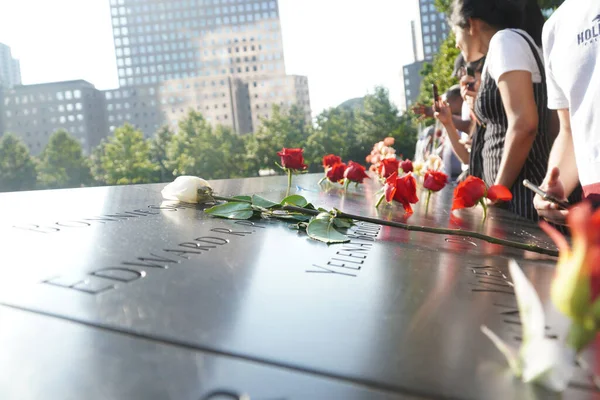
{"x":211,"y":56}
{"x":434,"y":28}
{"x":412,"y":82}
{"x":427,"y":37}
{"x":34,"y":112}
{"x":10,"y":68}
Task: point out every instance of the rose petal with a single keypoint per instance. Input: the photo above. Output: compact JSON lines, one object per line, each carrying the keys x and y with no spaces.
{"x":499,"y":193}
{"x":184,"y":188}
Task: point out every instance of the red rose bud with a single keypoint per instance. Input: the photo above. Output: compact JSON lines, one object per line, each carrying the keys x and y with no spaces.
{"x":402,"y":190}
{"x":438,"y":133}
{"x":499,"y":193}
{"x":292,"y":159}
{"x":330,"y":160}
{"x":355,"y":172}
{"x":388,"y":167}
{"x":435,"y":180}
{"x":406,"y":166}
{"x":336,"y":172}
{"x":468,"y":193}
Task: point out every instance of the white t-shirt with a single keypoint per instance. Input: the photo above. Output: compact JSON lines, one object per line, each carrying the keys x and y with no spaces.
{"x":508,"y":52}
{"x":572,"y":54}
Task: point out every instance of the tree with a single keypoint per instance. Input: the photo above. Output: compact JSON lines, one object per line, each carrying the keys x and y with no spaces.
{"x":285,"y":128}
{"x":379,"y":120}
{"x":335,"y":132}
{"x":125,"y":159}
{"x":62,"y":163}
{"x":159,"y":145}
{"x":440,"y":71}
{"x":198,"y":149}
{"x":17,"y":167}
{"x":95,"y":163}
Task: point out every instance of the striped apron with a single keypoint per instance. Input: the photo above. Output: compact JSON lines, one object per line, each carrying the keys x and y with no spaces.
{"x":488,"y":140}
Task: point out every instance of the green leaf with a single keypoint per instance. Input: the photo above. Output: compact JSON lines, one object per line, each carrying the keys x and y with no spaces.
{"x":233,"y":210}
{"x":343,"y":223}
{"x":243,"y":198}
{"x":295,"y":200}
{"x":262,"y":202}
{"x":322,"y":228}
{"x":290,"y":215}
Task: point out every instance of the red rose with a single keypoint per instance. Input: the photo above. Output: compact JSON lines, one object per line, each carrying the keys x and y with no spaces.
{"x":499,"y":193}
{"x":406,"y":166}
{"x":388,"y":167}
{"x":435,"y":180}
{"x":355,"y":172}
{"x":292,"y":158}
{"x":330,"y":160}
{"x":336,"y":172}
{"x":403,"y":190}
{"x":469,"y":192}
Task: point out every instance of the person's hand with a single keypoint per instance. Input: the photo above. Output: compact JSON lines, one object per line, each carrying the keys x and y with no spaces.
{"x":422,"y":111}
{"x":546,"y":209}
{"x":468,"y":87}
{"x":467,"y":83}
{"x":442,"y":112}
{"x":468,"y":142}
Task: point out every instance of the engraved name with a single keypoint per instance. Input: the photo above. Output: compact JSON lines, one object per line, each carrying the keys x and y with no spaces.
{"x":131,"y":270}
{"x":102,"y":219}
{"x":350,"y":259}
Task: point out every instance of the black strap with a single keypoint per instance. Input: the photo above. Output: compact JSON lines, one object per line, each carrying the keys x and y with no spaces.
{"x":534,"y":50}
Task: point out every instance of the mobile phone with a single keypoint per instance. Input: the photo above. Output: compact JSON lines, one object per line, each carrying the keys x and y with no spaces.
{"x":471,"y":73}
{"x":436,"y":94}
{"x":563,"y":205}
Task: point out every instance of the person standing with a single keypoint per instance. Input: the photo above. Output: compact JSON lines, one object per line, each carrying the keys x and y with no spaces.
{"x":571,"y":42}
{"x":512,"y":143}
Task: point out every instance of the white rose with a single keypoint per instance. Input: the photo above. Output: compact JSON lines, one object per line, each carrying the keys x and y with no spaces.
{"x":185,"y":188}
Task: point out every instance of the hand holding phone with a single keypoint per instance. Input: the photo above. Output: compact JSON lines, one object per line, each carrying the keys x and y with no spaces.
{"x":471,"y":73}
{"x":563,"y":205}
{"x":436,"y":94}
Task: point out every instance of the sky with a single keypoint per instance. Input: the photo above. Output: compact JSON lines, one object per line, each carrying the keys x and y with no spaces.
{"x":345,"y":47}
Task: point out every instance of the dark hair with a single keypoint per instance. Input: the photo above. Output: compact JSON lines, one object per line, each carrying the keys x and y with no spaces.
{"x":453,"y":92}
{"x":477,"y":66}
{"x":501,"y":14}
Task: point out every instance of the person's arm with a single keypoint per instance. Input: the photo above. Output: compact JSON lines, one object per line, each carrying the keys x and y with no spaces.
{"x":516,"y":90}
{"x":443,"y":113}
{"x":461,"y":124}
{"x":562,"y":177}
{"x":427,"y":112}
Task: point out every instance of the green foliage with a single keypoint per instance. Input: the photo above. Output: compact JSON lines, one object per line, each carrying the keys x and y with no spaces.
{"x":17,"y":167}
{"x":218,"y":152}
{"x":62,"y":164}
{"x":440,"y":72}
{"x":323,"y":229}
{"x":159,"y":145}
{"x":201,"y":150}
{"x":125,"y":159}
{"x":285,"y":128}
{"x":351,"y":134}
{"x":335,"y":133}
{"x":233,"y":210}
